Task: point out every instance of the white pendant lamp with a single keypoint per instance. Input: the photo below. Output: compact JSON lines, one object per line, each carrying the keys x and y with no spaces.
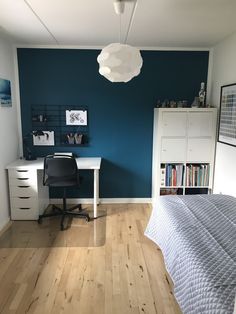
{"x":120,"y":62}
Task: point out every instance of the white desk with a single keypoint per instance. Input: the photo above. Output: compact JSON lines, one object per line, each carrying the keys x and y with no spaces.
{"x":17,"y":173}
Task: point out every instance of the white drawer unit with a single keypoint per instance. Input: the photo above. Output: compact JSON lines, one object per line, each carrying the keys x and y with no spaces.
{"x":28,"y":196}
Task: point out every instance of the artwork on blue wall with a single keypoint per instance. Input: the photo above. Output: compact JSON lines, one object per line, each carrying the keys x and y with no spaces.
{"x":5,"y":93}
{"x":76,"y":117}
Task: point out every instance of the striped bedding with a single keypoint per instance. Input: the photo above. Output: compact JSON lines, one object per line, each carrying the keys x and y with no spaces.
{"x":197,"y":236}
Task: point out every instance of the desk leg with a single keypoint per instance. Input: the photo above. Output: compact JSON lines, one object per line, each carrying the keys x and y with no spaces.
{"x":95,"y":191}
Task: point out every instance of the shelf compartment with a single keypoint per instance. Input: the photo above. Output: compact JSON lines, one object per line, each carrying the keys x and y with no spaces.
{"x":197,"y":175}
{"x":171,"y":191}
{"x":195,"y":190}
{"x":172,"y":175}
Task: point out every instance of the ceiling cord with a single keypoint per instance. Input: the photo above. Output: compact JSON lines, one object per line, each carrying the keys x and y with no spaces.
{"x":131,"y":20}
{"x":120,"y":30}
{"x":29,"y":6}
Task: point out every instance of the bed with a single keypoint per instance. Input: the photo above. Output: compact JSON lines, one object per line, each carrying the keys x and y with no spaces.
{"x":197,"y":236}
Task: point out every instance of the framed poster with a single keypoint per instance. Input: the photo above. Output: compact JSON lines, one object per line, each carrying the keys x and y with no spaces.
{"x":46,"y":139}
{"x":227,"y":118}
{"x":76,"y":117}
{"x":5,"y":93}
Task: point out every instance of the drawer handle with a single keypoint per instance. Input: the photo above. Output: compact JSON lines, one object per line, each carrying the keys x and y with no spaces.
{"x":23,"y":186}
{"x":22,"y":170}
{"x":24,"y":208}
{"x":22,"y":179}
{"x":164,"y":150}
{"x":23,"y":197}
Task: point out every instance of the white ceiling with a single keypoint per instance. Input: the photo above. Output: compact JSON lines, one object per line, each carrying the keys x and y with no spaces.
{"x":156,"y":23}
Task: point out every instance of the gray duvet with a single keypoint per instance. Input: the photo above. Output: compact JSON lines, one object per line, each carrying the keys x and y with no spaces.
{"x":197,"y":236}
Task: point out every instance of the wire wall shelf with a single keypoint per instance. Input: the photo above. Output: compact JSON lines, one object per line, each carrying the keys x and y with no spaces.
{"x":54,"y":118}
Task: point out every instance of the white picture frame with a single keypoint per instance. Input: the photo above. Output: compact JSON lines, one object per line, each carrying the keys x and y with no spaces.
{"x":76,"y":117}
{"x":47,"y":139}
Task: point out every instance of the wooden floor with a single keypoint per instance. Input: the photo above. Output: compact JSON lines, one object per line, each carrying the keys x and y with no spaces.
{"x":119,"y":271}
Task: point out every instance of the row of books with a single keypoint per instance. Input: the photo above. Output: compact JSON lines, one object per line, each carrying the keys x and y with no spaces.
{"x":172,"y":175}
{"x":197,"y":175}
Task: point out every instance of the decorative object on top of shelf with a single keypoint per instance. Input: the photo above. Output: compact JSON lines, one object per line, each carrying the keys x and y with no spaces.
{"x":199,"y":101}
{"x":202,"y":95}
{"x":76,"y":117}
{"x":172,"y":104}
{"x":5,"y":93}
{"x":195,"y":103}
{"x":227,"y":121}
{"x":120,"y":62}
{"x":43,"y":138}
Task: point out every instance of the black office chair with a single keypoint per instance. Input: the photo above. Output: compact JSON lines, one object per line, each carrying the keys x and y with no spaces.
{"x":61,"y":171}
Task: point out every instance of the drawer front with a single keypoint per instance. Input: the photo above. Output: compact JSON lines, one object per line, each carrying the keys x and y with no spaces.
{"x":23,"y":190}
{"x":199,"y":150}
{"x":24,"y":181}
{"x":173,"y":150}
{"x":200,"y":124}
{"x":174,"y":123}
{"x":24,"y":213}
{"x":24,"y":202}
{"x":22,"y":173}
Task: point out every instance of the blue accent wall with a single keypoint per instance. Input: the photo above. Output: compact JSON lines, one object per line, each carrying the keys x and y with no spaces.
{"x":120,"y":115}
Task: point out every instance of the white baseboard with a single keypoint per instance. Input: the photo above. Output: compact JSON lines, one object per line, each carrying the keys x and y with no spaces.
{"x":103,"y":200}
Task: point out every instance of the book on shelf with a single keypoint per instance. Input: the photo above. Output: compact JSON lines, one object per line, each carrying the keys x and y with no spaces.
{"x":197,"y":175}
{"x":172,"y":175}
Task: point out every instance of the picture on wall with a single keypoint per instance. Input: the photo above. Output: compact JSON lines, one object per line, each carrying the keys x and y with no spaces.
{"x":76,"y":117}
{"x":227,"y":121}
{"x":5,"y":93}
{"x":46,"y":139}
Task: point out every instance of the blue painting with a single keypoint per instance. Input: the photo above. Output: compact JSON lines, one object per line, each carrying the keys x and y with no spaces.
{"x":5,"y":93}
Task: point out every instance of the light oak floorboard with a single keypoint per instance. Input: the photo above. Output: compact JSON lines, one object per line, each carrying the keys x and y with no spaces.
{"x":113,"y":268}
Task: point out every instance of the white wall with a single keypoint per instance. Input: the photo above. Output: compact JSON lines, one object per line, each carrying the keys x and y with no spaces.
{"x":223,"y":73}
{"x":8,"y":127}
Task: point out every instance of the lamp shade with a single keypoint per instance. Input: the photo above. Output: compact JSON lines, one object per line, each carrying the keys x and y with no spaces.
{"x":119,"y":63}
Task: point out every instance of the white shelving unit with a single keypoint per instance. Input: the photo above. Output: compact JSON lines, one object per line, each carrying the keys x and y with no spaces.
{"x":186,"y":137}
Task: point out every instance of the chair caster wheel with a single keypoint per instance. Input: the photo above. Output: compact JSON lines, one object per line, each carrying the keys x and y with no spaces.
{"x":39,"y":221}
{"x":87,"y":219}
{"x":62,"y":228}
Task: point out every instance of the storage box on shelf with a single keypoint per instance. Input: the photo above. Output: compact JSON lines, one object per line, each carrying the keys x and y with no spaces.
{"x":183,"y":150}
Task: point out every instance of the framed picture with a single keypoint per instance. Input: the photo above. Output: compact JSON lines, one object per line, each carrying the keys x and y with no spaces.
{"x":46,"y":139}
{"x":76,"y":117}
{"x":227,"y":118}
{"x":5,"y":93}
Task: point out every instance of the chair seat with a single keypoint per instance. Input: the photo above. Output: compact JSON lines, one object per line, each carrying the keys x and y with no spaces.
{"x":61,"y":182}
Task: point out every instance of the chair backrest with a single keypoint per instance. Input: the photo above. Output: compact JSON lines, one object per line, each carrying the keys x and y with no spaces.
{"x":60,"y":166}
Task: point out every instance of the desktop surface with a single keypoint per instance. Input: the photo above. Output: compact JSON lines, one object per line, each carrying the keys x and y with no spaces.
{"x":82,"y":163}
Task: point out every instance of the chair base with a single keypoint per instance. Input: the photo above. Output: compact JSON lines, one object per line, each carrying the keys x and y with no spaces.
{"x":57,"y":211}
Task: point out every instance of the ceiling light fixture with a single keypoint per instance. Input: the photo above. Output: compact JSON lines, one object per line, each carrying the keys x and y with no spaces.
{"x":120,"y":62}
